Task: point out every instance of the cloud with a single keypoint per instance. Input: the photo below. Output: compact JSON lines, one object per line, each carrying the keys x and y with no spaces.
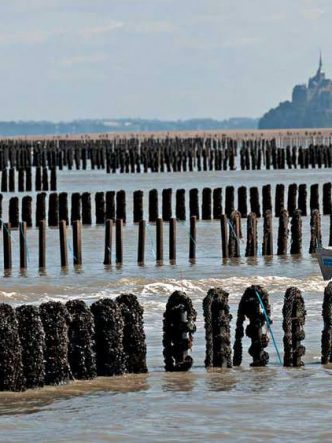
{"x":101,"y":29}
{"x":151,"y":27}
{"x":240,"y":42}
{"x":84,"y":59}
{"x":313,"y":13}
{"x":35,"y":36}
{"x":27,"y":37}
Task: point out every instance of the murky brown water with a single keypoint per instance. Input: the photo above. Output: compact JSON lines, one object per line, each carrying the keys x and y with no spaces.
{"x":243,"y":404}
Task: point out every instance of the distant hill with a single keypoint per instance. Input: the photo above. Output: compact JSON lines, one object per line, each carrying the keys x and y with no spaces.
{"x":311,"y":106}
{"x":21,"y":128}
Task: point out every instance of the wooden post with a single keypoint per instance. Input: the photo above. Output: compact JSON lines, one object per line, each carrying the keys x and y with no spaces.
{"x":138,"y":206}
{"x":251,"y":249}
{"x":172,"y":240}
{"x":206,"y":204}
{"x":53,"y":209}
{"x":63,"y":207}
{"x":77,"y":242}
{"x":108,"y":242}
{"x":283,"y":233}
{"x":42,"y":244}
{"x":86,"y":208}
{"x":296,"y":230}
{"x":180,"y":207}
{"x":63,"y":243}
{"x":153,"y":205}
{"x":159,"y":241}
{"x":234,"y":234}
{"x":100,"y":208}
{"x":141,"y":242}
{"x":14,"y":212}
{"x":23,"y":245}
{"x":217,"y":206}
{"x":242,"y":201}
{"x":224,"y":235}
{"x":7,"y":247}
{"x":267,"y":248}
{"x":192,"y":240}
{"x":167,"y":204}
{"x":121,"y":205}
{"x":119,"y":241}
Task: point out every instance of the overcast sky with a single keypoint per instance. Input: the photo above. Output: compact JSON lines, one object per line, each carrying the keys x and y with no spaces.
{"x":167,"y":59}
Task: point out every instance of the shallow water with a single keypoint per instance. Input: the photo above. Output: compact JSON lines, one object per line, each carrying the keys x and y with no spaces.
{"x":242,"y":404}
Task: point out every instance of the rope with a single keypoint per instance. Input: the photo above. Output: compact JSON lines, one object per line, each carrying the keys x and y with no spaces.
{"x":268,"y":322}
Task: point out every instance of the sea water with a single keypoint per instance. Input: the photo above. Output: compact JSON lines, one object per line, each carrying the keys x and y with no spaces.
{"x":241,"y":404}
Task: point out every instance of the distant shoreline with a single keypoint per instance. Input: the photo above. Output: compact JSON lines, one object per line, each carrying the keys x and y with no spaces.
{"x":226,"y":133}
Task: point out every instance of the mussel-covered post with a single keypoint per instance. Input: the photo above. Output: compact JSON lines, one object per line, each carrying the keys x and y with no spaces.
{"x":217,"y":329}
{"x":179,"y":326}
{"x":32,"y":339}
{"x":294,"y":313}
{"x":109,"y":326}
{"x":81,"y":353}
{"x":251,"y":307}
{"x":134,"y":346}
{"x":55,"y":319}
{"x":327,"y":329}
{"x":11,"y":367}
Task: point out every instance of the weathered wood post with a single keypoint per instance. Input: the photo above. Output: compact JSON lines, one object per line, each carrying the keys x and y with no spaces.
{"x":283,"y":233}
{"x":267,"y":247}
{"x":192,"y":240}
{"x":159,"y":241}
{"x":279,"y":199}
{"x":302,"y":199}
{"x":7,"y":247}
{"x":153,"y":205}
{"x":86,"y":209}
{"x":193,"y":203}
{"x":63,"y":244}
{"x":119,"y":241}
{"x":138,"y":206}
{"x":251,"y":249}
{"x":296,"y":231}
{"x":217,"y":206}
{"x":167,"y":204}
{"x":242,"y":201}
{"x":42,"y":244}
{"x":108,"y":242}
{"x":235,"y":234}
{"x":141,"y":242}
{"x":224,"y":235}
{"x":172,"y":240}
{"x":206,"y":204}
{"x":23,"y":245}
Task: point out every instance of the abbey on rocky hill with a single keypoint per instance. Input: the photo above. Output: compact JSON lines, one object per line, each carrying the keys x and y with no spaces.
{"x":311,"y":106}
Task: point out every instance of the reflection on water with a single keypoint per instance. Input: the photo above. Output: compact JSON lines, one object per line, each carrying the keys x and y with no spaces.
{"x":218,"y":380}
{"x":178,"y":381}
{"x":32,"y":401}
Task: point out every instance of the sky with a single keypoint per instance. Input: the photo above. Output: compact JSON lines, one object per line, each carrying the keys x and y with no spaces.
{"x":165,"y":59}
